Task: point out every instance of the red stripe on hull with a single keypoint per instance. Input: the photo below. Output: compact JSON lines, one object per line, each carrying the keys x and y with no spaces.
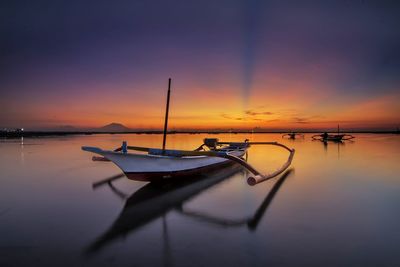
{"x":159,"y":176}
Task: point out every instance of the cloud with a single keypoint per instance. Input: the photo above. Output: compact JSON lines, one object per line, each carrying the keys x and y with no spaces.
{"x":273,"y":120}
{"x":226,"y":116}
{"x":255,"y":113}
{"x":301,"y":120}
{"x":283,"y":116}
{"x":305,"y":120}
{"x":245,"y":118}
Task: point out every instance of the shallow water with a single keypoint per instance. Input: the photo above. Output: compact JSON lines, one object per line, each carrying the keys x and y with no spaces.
{"x":339,"y":205}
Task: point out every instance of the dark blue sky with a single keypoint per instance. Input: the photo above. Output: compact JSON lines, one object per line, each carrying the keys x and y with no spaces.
{"x":54,"y":50}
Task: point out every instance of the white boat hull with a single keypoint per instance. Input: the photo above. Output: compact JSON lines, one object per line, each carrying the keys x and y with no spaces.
{"x":147,"y":167}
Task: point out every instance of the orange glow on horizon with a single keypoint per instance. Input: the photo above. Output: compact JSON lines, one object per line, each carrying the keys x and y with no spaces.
{"x":280,"y":104}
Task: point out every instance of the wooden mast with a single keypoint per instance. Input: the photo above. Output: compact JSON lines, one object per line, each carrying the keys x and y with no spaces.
{"x":166,"y":116}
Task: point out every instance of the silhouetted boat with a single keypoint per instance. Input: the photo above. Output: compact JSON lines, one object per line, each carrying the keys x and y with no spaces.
{"x":325,"y":137}
{"x":332,"y":137}
{"x":292,"y":135}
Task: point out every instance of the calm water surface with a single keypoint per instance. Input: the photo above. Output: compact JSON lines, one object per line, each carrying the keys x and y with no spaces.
{"x":339,"y":205}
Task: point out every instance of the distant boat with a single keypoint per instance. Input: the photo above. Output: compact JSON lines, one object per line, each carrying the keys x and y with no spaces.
{"x":332,"y":137}
{"x":159,"y":164}
{"x":292,"y":135}
{"x":325,"y":137}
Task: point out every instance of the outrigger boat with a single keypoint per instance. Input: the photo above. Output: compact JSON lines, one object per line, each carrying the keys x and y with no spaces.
{"x":292,"y":135}
{"x":332,"y":137}
{"x":325,"y":137}
{"x":153,"y":164}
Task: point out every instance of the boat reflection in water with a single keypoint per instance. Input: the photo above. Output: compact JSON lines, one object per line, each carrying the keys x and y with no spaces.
{"x":155,"y":200}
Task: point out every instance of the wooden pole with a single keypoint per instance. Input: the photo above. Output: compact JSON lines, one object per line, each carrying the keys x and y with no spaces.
{"x":166,"y":116}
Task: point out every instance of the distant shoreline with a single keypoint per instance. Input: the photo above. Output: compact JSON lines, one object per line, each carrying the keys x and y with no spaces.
{"x":57,"y":133}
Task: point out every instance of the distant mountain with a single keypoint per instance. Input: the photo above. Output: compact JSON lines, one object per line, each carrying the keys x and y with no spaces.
{"x":113,"y":127}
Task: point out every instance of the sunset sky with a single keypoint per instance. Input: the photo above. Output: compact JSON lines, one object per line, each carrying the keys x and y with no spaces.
{"x":234,"y":64}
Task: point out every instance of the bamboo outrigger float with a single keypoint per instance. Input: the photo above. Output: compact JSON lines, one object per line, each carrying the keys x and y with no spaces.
{"x":153,"y":164}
